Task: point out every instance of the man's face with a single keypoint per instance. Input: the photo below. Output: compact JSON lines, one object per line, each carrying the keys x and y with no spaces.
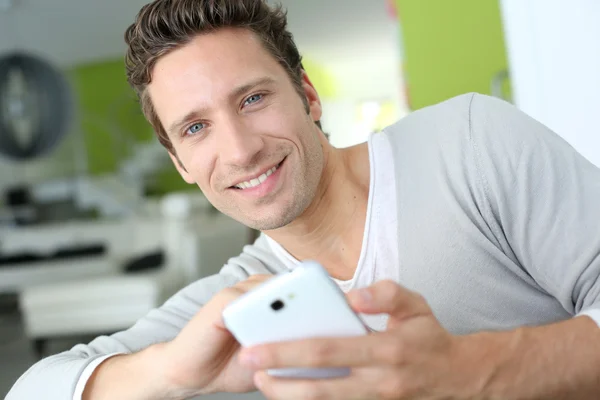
{"x":239,"y":127}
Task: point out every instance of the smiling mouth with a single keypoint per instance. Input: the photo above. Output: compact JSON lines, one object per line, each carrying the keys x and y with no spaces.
{"x":257,"y":181}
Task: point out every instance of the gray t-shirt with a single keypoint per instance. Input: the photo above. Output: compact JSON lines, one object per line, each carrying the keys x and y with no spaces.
{"x":497,"y":226}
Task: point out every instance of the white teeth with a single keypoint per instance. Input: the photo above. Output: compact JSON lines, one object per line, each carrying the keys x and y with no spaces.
{"x":256,"y":181}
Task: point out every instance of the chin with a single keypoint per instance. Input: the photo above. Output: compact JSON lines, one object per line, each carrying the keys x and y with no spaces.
{"x":267,"y":224}
{"x":270,"y":218}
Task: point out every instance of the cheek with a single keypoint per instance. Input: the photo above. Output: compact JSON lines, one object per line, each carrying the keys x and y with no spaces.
{"x":199,"y":163}
{"x":272,"y":121}
{"x":289,"y":125}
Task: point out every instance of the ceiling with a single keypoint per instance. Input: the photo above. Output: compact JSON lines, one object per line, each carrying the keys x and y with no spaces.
{"x":355,"y":35}
{"x":68,"y":31}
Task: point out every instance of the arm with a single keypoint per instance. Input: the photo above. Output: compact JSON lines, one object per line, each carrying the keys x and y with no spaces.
{"x":558,"y":361}
{"x":133,"y":376}
{"x":57,"y":377}
{"x":545,"y":202}
{"x":542,"y":201}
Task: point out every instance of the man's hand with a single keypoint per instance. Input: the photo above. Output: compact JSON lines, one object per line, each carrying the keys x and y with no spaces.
{"x":415,"y":358}
{"x":202,"y":359}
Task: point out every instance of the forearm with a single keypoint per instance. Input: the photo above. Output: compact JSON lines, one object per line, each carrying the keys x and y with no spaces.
{"x":559,"y":361}
{"x":139,"y":376}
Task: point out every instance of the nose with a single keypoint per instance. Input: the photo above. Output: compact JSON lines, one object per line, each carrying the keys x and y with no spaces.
{"x":239,"y":144}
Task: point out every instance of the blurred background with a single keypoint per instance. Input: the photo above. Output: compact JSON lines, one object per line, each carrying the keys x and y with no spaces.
{"x":96,"y":226}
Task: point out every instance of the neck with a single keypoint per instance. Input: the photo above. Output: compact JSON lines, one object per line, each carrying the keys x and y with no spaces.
{"x":331,"y":229}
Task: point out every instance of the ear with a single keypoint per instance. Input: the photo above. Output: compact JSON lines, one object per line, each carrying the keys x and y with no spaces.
{"x":181,"y":169}
{"x":314,"y":102}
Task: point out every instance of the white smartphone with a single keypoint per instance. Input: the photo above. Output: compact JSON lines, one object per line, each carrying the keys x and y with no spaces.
{"x":301,"y":304}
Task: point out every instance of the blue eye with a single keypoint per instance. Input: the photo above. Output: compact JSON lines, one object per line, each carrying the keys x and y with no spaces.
{"x":195,"y":129}
{"x":253,"y":99}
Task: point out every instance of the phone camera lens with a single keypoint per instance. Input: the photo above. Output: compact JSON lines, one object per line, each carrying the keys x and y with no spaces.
{"x":277,"y":305}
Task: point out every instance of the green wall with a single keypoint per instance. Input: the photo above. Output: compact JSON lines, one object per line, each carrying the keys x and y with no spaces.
{"x":107,"y":105}
{"x":450,"y":47}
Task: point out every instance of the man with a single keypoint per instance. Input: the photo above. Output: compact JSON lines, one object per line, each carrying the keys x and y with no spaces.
{"x":467,"y":234}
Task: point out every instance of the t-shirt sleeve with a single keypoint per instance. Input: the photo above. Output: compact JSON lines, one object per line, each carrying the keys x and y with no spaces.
{"x":593,"y":313}
{"x":87,"y":373}
{"x":544,"y":199}
{"x":60,"y":376}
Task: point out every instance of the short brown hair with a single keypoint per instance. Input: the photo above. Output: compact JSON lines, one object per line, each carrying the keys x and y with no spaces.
{"x":164,"y":25}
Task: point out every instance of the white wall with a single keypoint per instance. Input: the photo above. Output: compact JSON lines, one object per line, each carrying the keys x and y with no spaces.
{"x":554,"y":56}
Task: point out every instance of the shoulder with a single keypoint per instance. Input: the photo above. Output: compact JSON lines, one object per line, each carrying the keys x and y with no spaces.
{"x":433,"y":137}
{"x":442,"y":116}
{"x":500,"y":131}
{"x":256,"y":258}
{"x":465,"y":121}
{"x":470,"y":110}
{"x":444,"y":125}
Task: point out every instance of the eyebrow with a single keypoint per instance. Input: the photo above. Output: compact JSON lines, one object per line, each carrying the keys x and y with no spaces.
{"x":237,"y":92}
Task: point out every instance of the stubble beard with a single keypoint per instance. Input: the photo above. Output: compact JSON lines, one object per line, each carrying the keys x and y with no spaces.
{"x":303,"y":191}
{"x":303,"y":186}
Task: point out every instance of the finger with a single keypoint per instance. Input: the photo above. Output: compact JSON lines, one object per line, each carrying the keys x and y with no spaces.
{"x":208,"y":322}
{"x":258,"y":277}
{"x":231,"y":293}
{"x":387,"y":297}
{"x":369,"y":350}
{"x":213,"y":310}
{"x":228,"y":295}
{"x":254,"y":280}
{"x":347,"y":388}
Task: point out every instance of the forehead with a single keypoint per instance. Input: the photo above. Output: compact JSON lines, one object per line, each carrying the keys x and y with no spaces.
{"x":213,"y":63}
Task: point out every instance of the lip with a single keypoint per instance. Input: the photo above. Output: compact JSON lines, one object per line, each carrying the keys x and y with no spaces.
{"x":250,"y":177}
{"x":268,"y":187}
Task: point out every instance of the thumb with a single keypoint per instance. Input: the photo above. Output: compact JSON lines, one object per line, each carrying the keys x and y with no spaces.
{"x":388,"y":297}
